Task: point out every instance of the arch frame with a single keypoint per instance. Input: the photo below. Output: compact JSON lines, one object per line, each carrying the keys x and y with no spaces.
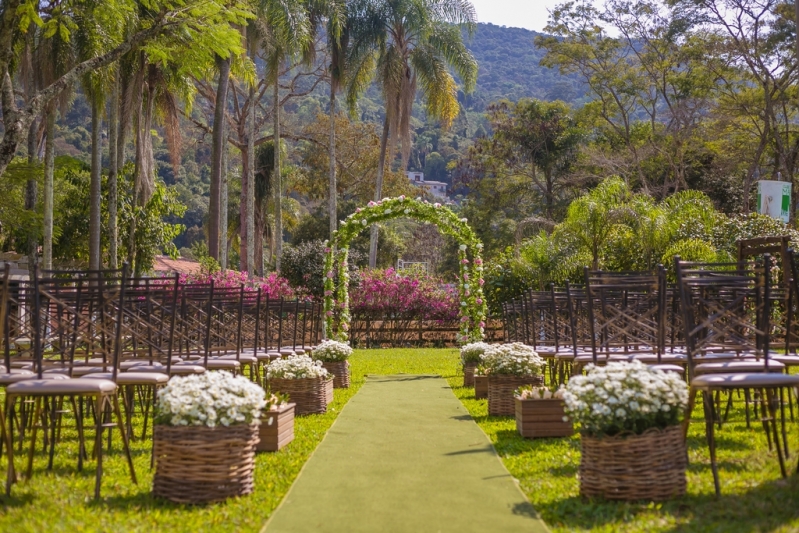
{"x":473,"y":309}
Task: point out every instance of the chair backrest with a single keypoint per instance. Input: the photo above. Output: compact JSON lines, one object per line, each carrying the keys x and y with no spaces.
{"x":627,"y":311}
{"x":78,"y":312}
{"x":726,"y":307}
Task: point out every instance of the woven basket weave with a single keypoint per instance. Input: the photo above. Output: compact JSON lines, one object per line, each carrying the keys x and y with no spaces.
{"x":468,"y":374}
{"x":198,"y":464}
{"x":650,"y":466}
{"x":341,"y":373}
{"x":310,"y":394}
{"x":500,"y":392}
{"x":480,"y":387}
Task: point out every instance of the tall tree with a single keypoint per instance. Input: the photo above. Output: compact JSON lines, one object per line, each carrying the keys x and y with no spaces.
{"x":217,"y":146}
{"x":418,"y":41}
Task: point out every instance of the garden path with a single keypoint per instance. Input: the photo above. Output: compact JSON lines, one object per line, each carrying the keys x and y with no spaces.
{"x":405,"y":455}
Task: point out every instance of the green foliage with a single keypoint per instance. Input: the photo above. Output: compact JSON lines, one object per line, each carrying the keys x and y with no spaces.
{"x":208,"y":265}
{"x":303,"y":265}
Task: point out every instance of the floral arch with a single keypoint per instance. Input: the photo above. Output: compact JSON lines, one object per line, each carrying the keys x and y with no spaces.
{"x":470,"y":287}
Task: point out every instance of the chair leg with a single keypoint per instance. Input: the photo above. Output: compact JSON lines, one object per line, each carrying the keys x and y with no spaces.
{"x":98,"y":443}
{"x":11,"y":475}
{"x":79,"y":428}
{"x":34,"y":429}
{"x":764,"y":417}
{"x":782,"y":423}
{"x":711,"y":438}
{"x":747,"y":402}
{"x":771,"y":403}
{"x":688,"y":411}
{"x":50,"y":459}
{"x":125,"y":443}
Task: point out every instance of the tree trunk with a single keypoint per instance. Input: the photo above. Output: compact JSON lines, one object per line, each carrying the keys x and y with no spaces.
{"x":217,"y":145}
{"x":30,"y":197}
{"x":95,"y":193}
{"x":248,"y":224}
{"x":223,"y":207}
{"x":381,"y":163}
{"x":49,"y":168}
{"x":114,"y":138}
{"x":278,"y":181}
{"x":246,"y":179}
{"x":332,"y":207}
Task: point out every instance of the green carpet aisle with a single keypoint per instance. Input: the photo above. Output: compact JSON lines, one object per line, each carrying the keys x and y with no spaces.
{"x":404,"y":456}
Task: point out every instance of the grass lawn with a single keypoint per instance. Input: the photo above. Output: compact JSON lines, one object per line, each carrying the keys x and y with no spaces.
{"x":754,"y":497}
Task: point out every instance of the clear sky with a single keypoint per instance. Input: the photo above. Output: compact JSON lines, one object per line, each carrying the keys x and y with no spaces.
{"x":530,"y":14}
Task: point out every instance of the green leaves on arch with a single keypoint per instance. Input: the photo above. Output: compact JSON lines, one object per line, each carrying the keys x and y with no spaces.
{"x":470,"y":287}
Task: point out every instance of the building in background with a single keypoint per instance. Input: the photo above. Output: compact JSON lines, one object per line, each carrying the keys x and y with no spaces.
{"x":436,"y":188}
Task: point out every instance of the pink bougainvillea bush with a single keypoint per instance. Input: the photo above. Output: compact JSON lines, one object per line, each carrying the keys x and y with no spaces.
{"x":392,"y":294}
{"x":272,"y":286}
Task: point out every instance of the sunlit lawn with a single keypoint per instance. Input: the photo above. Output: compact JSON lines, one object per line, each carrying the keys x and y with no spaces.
{"x":754,"y":497}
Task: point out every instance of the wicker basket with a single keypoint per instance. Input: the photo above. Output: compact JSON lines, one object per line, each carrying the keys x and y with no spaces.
{"x":480,"y":387}
{"x":276,"y":429}
{"x":468,"y":374}
{"x":500,"y":392}
{"x":541,"y":418}
{"x":650,"y":466}
{"x":341,"y":373}
{"x":310,"y":394}
{"x":198,"y":464}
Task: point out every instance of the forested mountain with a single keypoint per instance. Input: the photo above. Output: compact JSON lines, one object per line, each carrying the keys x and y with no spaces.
{"x":510,"y":68}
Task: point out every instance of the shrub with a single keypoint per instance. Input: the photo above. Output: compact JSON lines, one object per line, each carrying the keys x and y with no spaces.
{"x":272,"y":286}
{"x":391,"y":293}
{"x":303,"y":265}
{"x":515,"y":359}
{"x":330,"y":351}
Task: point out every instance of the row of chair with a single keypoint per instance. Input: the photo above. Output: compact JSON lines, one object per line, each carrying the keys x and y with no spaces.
{"x":726,"y":326}
{"x":104,"y":342}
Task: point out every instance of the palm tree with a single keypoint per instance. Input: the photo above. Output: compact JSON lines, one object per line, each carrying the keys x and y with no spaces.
{"x":417,"y":42}
{"x":289,"y":34}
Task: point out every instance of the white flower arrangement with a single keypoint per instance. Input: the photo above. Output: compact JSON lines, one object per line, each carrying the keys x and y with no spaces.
{"x":528,"y":392}
{"x":295,"y":367}
{"x":625,"y":397}
{"x":210,"y":399}
{"x":470,"y":353}
{"x":515,"y":359}
{"x":331,"y":351}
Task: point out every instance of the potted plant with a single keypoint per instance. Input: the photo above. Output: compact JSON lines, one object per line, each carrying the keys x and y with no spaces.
{"x":509,"y":366}
{"x":631,"y":439}
{"x":206,"y":430}
{"x":334,"y":355}
{"x":540,"y":413}
{"x":470,"y":358}
{"x":277,"y":424}
{"x":306,"y":382}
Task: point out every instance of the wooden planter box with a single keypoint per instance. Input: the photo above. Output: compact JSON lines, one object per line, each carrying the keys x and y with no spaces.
{"x":500,"y":392}
{"x":198,"y":464}
{"x":276,"y":429}
{"x":310,"y":394}
{"x":468,"y":374}
{"x":341,"y":373}
{"x":650,"y":466}
{"x":480,"y":387}
{"x":541,"y":418}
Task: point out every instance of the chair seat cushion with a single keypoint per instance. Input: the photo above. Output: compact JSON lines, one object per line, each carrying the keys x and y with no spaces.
{"x":745,"y":381}
{"x":787,"y":360}
{"x":13,"y":377}
{"x":54,"y":387}
{"x":175,"y":370}
{"x":133,"y":378}
{"x":727,"y":367}
{"x":666,"y":358}
{"x":669,"y":368}
{"x":221,"y":364}
{"x":243,"y":358}
{"x":589,"y":358}
{"x":77,"y":371}
{"x":126,"y":365}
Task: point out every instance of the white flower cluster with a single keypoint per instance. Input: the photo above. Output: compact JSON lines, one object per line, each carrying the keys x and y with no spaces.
{"x":622,"y":397}
{"x":330,"y":350}
{"x":209,"y":399}
{"x":295,"y":367}
{"x":515,"y":359}
{"x":539,"y":393}
{"x":470,"y":353}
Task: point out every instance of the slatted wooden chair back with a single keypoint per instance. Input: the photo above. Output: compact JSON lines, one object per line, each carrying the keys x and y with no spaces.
{"x":726,"y":307}
{"x":626,"y":311}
